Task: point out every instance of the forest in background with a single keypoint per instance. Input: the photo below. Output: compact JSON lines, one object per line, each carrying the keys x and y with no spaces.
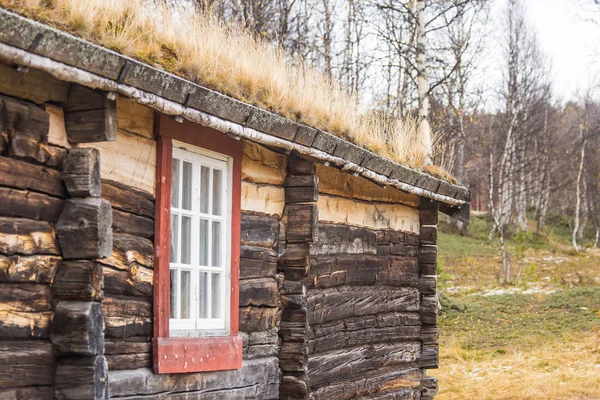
{"x":524,"y":153}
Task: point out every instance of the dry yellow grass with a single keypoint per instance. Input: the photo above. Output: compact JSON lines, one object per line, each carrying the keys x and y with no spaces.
{"x":231,"y":60}
{"x":568,"y":369}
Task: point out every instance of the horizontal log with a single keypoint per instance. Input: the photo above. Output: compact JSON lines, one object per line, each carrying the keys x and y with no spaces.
{"x":25,"y":204}
{"x":370,"y":383}
{"x":257,"y":262}
{"x":77,"y":328}
{"x":253,"y":319}
{"x":328,"y":271}
{"x":430,"y":356}
{"x":429,"y":309}
{"x":295,"y":255}
{"x":330,"y":366}
{"x":27,"y":237}
{"x":337,"y":238}
{"x":429,"y":334}
{"x":262,"y":198}
{"x":128,"y":199}
{"x":259,"y":230}
{"x":34,"y":269}
{"x":118,"y":362}
{"x":301,"y":181}
{"x":391,"y":236}
{"x":302,"y":222}
{"x":81,"y":378}
{"x":427,"y":255}
{"x":295,"y":195}
{"x":124,"y":222}
{"x":428,"y":235}
{"x":428,"y":269}
{"x":20,"y":174}
{"x":25,"y":310}
{"x":259,"y":292}
{"x":28,"y":393}
{"x":26,"y":363}
{"x":136,"y":280}
{"x":352,"y":301}
{"x":428,"y":216}
{"x":427,"y":284}
{"x":261,"y":165}
{"x":34,"y":85}
{"x":128,"y":353}
{"x":130,"y":251}
{"x":78,"y":280}
{"x":85,"y":229}
{"x":134,"y":117}
{"x":259,"y":373}
{"x":127,"y":316}
{"x":369,"y":329}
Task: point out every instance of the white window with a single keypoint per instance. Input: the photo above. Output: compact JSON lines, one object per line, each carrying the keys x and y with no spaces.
{"x":200,"y":242}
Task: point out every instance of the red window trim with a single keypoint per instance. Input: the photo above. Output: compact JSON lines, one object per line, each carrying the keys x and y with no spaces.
{"x":172,"y":354}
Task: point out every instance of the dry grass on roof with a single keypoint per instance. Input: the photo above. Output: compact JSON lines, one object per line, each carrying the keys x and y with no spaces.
{"x":202,"y":49}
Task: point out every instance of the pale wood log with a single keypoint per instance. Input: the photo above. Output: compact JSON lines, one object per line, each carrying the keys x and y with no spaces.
{"x":261,"y":165}
{"x":327,"y":271}
{"x":34,"y":85}
{"x":254,"y":319}
{"x":259,"y":373}
{"x":128,"y":199}
{"x":371,"y":215}
{"x":259,"y":230}
{"x":23,"y":175}
{"x":80,"y":378}
{"x":90,"y":116}
{"x":330,"y":366}
{"x":369,"y":383}
{"x":25,"y":310}
{"x":130,"y":252}
{"x":34,"y":269}
{"x":77,"y":328}
{"x":85,"y":228}
{"x":266,"y":199}
{"x":351,"y":301}
{"x":25,"y":363}
{"x":81,"y":173}
{"x":130,"y":160}
{"x":57,"y":134}
{"x":27,"y":237}
{"x":259,"y":292}
{"x":334,"y":182}
{"x":32,"y":205}
{"x":127,"y":316}
{"x":78,"y":280}
{"x":135,"y":118}
{"x":137,"y":280}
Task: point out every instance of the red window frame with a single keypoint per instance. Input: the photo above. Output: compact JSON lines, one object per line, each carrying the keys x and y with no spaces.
{"x":176,"y":354}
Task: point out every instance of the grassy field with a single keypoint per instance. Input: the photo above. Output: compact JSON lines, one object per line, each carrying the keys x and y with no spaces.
{"x":536,"y":339}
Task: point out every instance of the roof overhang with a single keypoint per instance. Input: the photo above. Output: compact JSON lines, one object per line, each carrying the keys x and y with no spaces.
{"x":30,"y":44}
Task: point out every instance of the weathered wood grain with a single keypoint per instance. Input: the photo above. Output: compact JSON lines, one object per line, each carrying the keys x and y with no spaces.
{"x":329,"y":271}
{"x":27,"y":237}
{"x":128,"y":353}
{"x":33,"y":269}
{"x":261,"y":165}
{"x":351,"y":301}
{"x":429,"y":309}
{"x":78,"y":280}
{"x":259,"y":230}
{"x":25,"y":310}
{"x":57,"y":135}
{"x":33,"y":85}
{"x":302,"y":223}
{"x":259,"y":292}
{"x":28,"y":393}
{"x":90,"y":116}
{"x":32,"y":205}
{"x":378,"y":216}
{"x":128,"y":252}
{"x":25,"y":363}
{"x":428,"y":255}
{"x":128,"y":199}
{"x":294,"y":195}
{"x":429,"y":334}
{"x":261,"y":198}
{"x":332,"y":365}
{"x":22,"y":175}
{"x":77,"y":328}
{"x":137,"y":280}
{"x":257,"y":262}
{"x":128,"y":361}
{"x":81,"y":378}
{"x":430,"y":356}
{"x":124,"y":222}
{"x":127,"y":316}
{"x":300,"y":166}
{"x":427,"y":284}
{"x":135,"y":118}
{"x":429,"y":386}
{"x":254,"y":319}
{"x":336,"y":239}
{"x":428,"y":235}
{"x":85,"y":228}
{"x":81,"y":173}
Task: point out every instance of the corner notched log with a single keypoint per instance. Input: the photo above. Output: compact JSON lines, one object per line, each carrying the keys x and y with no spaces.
{"x":78,"y":280}
{"x":82,"y":378}
{"x":81,"y":173}
{"x":90,"y":116}
{"x":85,"y":229}
{"x":77,"y":328}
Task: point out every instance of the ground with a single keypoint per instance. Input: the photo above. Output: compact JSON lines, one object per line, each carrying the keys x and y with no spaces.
{"x":536,"y":339}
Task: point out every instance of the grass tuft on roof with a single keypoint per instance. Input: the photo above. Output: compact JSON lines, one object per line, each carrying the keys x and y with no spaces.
{"x":231,"y":60}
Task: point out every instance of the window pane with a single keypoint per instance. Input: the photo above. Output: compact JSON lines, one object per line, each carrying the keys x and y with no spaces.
{"x":203,"y":296}
{"x":185,"y":294}
{"x":186,"y":186}
{"x":204,"y":189}
{"x":174,"y":237}
{"x":216,"y":295}
{"x":216,"y":244}
{"x":186,"y":237}
{"x":217,"y":189}
{"x":203,"y":242}
{"x":175,"y":183}
{"x":174,"y":291}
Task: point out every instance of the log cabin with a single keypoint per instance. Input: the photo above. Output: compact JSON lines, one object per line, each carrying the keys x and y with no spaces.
{"x":159,"y":239}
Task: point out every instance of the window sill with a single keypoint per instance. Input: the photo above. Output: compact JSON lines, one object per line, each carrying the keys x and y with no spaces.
{"x":181,"y":355}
